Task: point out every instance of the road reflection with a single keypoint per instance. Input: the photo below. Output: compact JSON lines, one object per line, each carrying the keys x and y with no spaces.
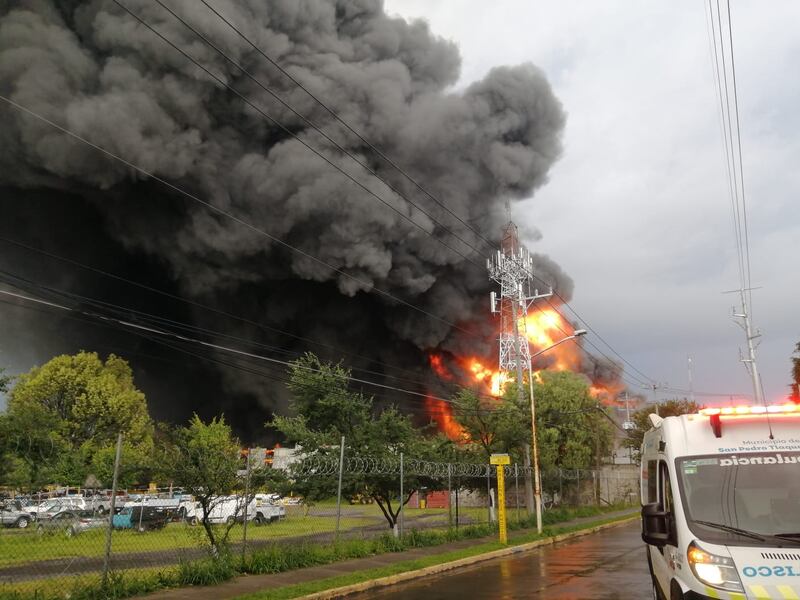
{"x":607,"y":565}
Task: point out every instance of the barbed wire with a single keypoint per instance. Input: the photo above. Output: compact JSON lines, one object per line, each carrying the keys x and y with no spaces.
{"x":414,"y":467}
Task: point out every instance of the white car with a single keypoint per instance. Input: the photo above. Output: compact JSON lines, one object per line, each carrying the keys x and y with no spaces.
{"x":75,"y":502}
{"x":721,"y":503}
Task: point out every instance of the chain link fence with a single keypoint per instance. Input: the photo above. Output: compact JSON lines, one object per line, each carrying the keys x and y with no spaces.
{"x":50,"y":547}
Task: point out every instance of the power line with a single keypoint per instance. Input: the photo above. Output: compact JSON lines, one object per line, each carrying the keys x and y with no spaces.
{"x":252,"y":227}
{"x":205,"y":307}
{"x":361,"y":137}
{"x":715,"y":67}
{"x":365,"y":284}
{"x":349,"y":127}
{"x":726,"y":115}
{"x":184,"y":338}
{"x":741,"y":162}
{"x":313,"y":125}
{"x":293,"y":135}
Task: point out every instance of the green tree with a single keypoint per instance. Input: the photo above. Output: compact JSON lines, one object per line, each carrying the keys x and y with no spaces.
{"x":796,"y":373}
{"x":71,"y":408}
{"x":206,"y":464}
{"x":325,"y":410}
{"x":494,"y":425}
{"x":32,"y":445}
{"x":5,"y":381}
{"x":572,"y":431}
{"x":641,"y":420}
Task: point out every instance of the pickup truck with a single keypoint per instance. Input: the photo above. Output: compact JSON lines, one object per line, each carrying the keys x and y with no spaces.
{"x":266,"y":509}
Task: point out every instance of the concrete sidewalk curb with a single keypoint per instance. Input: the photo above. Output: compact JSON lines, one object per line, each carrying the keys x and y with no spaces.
{"x":373,"y":584}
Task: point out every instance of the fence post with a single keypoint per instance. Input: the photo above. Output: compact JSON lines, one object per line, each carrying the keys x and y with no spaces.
{"x":458,"y":485}
{"x":339,"y":492}
{"x":402,"y":506}
{"x":246,"y":503}
{"x":516,"y":485}
{"x":488,"y":494}
{"x":449,"y":498}
{"x":107,"y":556}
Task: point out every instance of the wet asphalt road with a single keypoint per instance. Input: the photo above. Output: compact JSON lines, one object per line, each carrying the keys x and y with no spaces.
{"x":609,"y":565}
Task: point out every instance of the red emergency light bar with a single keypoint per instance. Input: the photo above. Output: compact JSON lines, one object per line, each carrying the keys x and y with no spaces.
{"x":736,"y":411}
{"x":751,"y":410}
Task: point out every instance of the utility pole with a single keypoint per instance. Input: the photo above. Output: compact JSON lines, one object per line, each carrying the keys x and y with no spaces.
{"x":628,"y":425}
{"x":750,"y":360}
{"x":511,"y":267}
{"x":691,"y":378}
{"x":655,"y":387}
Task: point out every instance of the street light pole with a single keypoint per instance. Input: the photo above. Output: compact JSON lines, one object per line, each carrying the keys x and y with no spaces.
{"x":537,"y":482}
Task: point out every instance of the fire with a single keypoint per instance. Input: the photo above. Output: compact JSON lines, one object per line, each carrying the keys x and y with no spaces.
{"x":442,"y":414}
{"x":437,"y":364}
{"x":544,"y":329}
{"x":494,"y":381}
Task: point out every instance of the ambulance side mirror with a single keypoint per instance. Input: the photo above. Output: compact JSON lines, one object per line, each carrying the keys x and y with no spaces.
{"x":655,"y":526}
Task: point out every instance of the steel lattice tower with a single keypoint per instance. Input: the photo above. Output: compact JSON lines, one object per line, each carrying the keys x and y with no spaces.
{"x":512,"y":268}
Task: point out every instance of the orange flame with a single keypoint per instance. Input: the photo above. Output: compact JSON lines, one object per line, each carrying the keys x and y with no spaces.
{"x":491,"y":379}
{"x":442,"y":414}
{"x":438,"y":367}
{"x":544,"y":329}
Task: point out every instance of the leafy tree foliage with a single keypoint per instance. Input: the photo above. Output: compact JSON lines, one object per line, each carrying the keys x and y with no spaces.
{"x":325,"y":410}
{"x":206,"y":463}
{"x":572,"y":431}
{"x":641,"y":419}
{"x":494,"y":425}
{"x":63,"y":419}
{"x":5,"y":381}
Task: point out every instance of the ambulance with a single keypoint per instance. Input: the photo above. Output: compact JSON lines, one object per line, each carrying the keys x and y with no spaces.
{"x":721,"y":503}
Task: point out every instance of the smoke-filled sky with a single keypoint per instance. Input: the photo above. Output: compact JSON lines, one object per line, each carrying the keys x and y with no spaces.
{"x":637,"y":211}
{"x":597,"y":122}
{"x":92,"y":68}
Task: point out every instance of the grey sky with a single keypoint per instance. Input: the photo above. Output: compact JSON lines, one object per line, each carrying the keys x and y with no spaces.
{"x":637,"y":211}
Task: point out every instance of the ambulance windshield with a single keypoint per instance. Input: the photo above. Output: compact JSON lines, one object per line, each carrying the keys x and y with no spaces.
{"x":753,"y":492}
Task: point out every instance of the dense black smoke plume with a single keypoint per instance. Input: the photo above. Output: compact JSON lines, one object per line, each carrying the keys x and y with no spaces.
{"x":91,"y":67}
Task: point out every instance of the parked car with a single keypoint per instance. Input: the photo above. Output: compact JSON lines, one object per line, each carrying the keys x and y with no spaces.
{"x":101,"y":504}
{"x":143,"y":517}
{"x":12,"y":516}
{"x":70,"y":521}
{"x":56,"y":512}
{"x":267,"y":509}
{"x":187,"y":508}
{"x":182,"y":506}
{"x":76,"y":503}
{"x":227,"y":509}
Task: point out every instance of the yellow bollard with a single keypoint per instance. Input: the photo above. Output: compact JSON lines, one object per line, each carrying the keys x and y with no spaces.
{"x":500,"y":460}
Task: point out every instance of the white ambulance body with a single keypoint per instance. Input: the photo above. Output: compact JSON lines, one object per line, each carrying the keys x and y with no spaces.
{"x":721,"y":503}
